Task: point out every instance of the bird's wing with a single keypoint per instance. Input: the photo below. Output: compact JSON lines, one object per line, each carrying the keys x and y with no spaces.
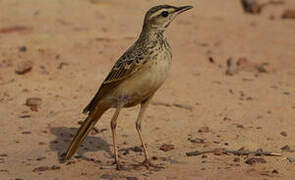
{"x":128,"y":64}
{"x":124,"y":67}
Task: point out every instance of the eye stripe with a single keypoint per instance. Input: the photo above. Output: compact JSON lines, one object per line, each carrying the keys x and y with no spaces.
{"x":158,"y":13}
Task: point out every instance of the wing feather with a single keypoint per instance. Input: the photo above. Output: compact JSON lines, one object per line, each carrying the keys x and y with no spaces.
{"x":127,"y":65}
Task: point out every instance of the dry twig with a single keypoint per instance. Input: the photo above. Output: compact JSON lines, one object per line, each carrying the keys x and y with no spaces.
{"x":234,"y":152}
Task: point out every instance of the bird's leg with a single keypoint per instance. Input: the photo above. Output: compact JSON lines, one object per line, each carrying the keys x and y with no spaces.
{"x":143,"y":107}
{"x":113,"y":127}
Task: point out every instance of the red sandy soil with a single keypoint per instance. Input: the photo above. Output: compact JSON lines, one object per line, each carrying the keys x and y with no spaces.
{"x":72,"y":44}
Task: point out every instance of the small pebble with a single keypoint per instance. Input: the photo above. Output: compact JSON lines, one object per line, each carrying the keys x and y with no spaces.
{"x":78,"y":157}
{"x":155,"y":158}
{"x":291,"y":159}
{"x":211,"y":59}
{"x":287,"y":148}
{"x":251,"y":6}
{"x":240,"y":126}
{"x":204,"y":156}
{"x":204,"y":129}
{"x":26,"y":132}
{"x":286,"y":93}
{"x":231,"y":67}
{"x":61,"y":65}
{"x":22,"y":49}
{"x":41,"y":168}
{"x":23,"y":67}
{"x":25,"y":116}
{"x":54,"y":167}
{"x":284,"y":133}
{"x":275,"y":171}
{"x":216,"y":142}
{"x":40,"y":158}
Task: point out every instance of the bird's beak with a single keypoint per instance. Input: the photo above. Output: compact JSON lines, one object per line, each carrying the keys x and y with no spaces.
{"x":183,"y":8}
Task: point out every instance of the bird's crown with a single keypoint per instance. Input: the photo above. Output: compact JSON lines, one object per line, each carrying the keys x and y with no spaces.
{"x":159,"y":17}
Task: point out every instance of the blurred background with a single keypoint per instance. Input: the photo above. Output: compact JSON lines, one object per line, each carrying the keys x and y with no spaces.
{"x":231,"y":86}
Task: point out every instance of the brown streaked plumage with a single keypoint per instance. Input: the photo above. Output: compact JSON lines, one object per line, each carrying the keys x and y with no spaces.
{"x":134,"y":79}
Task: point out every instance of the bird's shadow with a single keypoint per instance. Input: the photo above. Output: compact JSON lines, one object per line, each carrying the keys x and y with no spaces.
{"x":64,"y":136}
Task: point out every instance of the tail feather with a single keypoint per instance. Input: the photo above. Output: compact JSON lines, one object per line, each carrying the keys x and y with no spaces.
{"x":82,"y":133}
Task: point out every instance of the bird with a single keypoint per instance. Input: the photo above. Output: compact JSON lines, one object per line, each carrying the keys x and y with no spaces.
{"x":134,"y":79}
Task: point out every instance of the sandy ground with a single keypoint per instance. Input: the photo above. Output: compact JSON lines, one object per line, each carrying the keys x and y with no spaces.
{"x":72,"y":44}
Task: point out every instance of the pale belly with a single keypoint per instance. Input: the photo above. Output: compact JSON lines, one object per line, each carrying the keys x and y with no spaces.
{"x":144,"y":83}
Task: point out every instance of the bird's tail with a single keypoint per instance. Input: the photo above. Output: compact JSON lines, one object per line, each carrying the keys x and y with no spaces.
{"x":82,"y":133}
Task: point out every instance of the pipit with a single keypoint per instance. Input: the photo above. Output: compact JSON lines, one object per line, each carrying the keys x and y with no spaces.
{"x":134,"y":79}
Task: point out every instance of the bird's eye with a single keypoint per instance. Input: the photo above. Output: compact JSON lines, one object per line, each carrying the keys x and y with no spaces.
{"x":164,"y":14}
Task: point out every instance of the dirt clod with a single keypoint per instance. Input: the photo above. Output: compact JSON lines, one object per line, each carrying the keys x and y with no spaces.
{"x":41,"y":168}
{"x":25,"y":116}
{"x":194,"y":153}
{"x":289,"y":14}
{"x":16,"y":28}
{"x":196,"y":140}
{"x":254,"y":160}
{"x":218,"y":152}
{"x":131,"y":178}
{"x":167,"y":147}
{"x":26,"y":132}
{"x":34,"y":103}
{"x":136,"y":149}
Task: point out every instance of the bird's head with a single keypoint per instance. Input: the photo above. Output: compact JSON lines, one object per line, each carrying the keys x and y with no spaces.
{"x":159,"y":17}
